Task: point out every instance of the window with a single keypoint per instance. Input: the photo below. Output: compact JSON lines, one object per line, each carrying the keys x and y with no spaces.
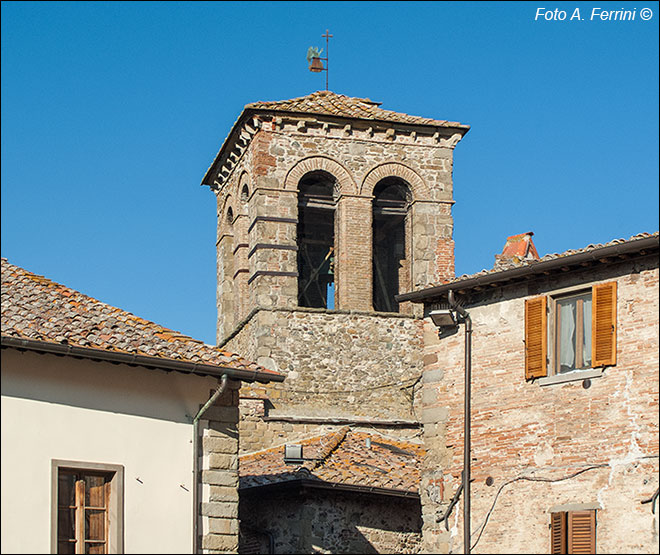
{"x":572,"y":333}
{"x":573,"y":532}
{"x":581,"y":327}
{"x":87,"y":509}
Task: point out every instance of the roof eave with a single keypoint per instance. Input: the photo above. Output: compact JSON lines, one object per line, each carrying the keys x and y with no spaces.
{"x":146,"y":361}
{"x":306,"y":483}
{"x":207,"y":181}
{"x":532,"y":269}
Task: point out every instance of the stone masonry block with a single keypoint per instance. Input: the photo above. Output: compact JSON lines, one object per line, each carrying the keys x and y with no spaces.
{"x":223,"y":493}
{"x":215,"y":444}
{"x":220,"y":478}
{"x":226,"y":526}
{"x":435,"y":414}
{"x":220,"y":542}
{"x":223,"y":461}
{"x":433,"y":376}
{"x":222,"y":414}
{"x":220,"y":509}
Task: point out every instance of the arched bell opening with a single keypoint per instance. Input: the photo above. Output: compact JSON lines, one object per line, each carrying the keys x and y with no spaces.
{"x":390,"y":257}
{"x":316,"y":240}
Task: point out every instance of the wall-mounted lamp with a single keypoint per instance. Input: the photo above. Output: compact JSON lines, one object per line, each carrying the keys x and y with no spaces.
{"x":293,"y":454}
{"x":444,"y":318}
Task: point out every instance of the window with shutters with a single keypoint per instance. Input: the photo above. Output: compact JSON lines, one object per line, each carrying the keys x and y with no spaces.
{"x":573,"y":532}
{"x":87,"y":507}
{"x":570,"y":332}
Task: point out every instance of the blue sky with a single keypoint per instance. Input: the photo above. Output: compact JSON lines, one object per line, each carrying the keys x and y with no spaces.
{"x":112,"y":112}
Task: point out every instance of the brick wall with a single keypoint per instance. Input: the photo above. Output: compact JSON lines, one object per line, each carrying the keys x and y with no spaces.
{"x":608,"y":431}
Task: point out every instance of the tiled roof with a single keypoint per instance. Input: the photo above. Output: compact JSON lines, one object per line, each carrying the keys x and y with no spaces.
{"x":341,"y":457}
{"x":36,"y":308}
{"x":547,"y":257}
{"x":333,"y":104}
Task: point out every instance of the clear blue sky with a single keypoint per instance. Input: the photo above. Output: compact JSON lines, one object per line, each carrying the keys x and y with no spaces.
{"x":112,"y":112}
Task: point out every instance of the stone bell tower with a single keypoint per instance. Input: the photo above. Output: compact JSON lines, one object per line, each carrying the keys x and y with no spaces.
{"x":328,"y":207}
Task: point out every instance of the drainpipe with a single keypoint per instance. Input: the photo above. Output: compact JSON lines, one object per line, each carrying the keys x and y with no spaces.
{"x":219,"y":391}
{"x":467,"y":416}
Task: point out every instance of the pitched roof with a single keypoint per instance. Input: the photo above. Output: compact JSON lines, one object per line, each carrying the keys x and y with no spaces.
{"x":342,"y":457}
{"x":36,"y":309}
{"x":326,"y":103}
{"x":642,"y":242}
{"x":332,"y":104}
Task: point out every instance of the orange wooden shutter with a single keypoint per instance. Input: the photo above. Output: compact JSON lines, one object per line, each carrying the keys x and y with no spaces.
{"x":603,"y":325}
{"x":558,"y":533}
{"x":582,"y":532}
{"x":536,"y":341}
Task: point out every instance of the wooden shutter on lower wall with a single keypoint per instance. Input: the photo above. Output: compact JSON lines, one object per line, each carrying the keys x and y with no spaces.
{"x":582,"y":532}
{"x":603,"y":324}
{"x":558,"y":533}
{"x":536,"y":341}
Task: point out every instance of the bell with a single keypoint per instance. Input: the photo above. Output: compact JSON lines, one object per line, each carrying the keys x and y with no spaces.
{"x":316,"y":66}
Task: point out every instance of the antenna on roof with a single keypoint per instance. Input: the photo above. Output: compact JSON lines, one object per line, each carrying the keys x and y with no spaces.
{"x":315,"y":60}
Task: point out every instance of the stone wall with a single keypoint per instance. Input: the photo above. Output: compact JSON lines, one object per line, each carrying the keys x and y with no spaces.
{"x":218,"y":487}
{"x":315,"y":521}
{"x":607,"y":432}
{"x":257,"y":249}
{"x":337,"y":365}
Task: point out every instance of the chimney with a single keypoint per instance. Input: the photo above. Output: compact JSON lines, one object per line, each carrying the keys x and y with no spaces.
{"x":518,"y":250}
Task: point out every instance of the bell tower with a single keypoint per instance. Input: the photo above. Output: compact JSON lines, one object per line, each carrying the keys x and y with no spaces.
{"x":331,"y":202}
{"x":328,"y":208}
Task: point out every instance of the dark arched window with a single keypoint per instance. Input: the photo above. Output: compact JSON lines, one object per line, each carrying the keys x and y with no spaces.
{"x":316,"y":240}
{"x":390,"y":267}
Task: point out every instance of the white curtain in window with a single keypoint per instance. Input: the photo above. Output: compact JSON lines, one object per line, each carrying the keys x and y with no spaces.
{"x":586,"y":345}
{"x":566,"y":335}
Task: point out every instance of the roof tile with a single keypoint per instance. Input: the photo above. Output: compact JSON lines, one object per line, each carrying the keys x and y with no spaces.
{"x":341,"y":457}
{"x":34,"y":307}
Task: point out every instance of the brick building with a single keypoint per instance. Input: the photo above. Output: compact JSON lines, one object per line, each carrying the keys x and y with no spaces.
{"x":564,"y":417}
{"x":328,"y":207}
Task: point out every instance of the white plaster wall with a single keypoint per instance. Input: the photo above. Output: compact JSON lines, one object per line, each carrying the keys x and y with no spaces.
{"x":64,"y":408}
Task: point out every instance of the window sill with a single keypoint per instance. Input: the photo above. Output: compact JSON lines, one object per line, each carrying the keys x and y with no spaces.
{"x":576,"y":375}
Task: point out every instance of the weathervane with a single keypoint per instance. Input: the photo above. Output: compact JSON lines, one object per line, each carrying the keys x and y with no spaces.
{"x":315,"y":60}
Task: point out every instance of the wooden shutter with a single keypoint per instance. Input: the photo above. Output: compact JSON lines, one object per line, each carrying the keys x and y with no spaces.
{"x":582,"y":532}
{"x":536,"y":341}
{"x":558,"y":533}
{"x":603,"y":324}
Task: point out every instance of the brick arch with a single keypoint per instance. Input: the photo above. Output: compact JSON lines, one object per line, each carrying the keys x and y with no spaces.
{"x":418,"y":188}
{"x":345,"y":182}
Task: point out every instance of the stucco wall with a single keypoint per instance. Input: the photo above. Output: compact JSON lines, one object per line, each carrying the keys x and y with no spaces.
{"x":65,"y":408}
{"x":522,"y":429}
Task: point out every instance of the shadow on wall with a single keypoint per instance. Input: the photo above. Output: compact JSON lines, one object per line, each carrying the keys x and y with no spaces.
{"x":292,"y":518}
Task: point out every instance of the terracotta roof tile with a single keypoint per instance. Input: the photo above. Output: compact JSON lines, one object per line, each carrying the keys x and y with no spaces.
{"x":333,"y":104}
{"x":34,"y":307}
{"x":340,"y":457}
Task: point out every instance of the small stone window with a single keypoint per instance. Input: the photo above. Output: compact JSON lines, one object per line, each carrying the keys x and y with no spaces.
{"x":230,"y":216}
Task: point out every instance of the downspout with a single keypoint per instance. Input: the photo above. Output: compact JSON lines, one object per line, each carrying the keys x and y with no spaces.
{"x":219,"y":391}
{"x":467,"y":416}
